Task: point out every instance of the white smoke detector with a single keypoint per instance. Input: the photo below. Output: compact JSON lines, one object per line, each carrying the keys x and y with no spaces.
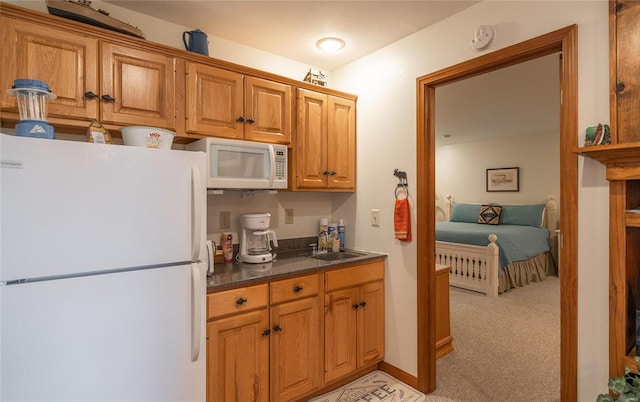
{"x":482,"y":37}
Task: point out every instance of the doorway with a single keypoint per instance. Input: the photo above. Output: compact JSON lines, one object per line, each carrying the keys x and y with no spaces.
{"x":564,"y":41}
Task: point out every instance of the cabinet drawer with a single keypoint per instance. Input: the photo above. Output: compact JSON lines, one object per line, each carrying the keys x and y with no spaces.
{"x":236,"y":300}
{"x":345,"y":277}
{"x":294,"y":288}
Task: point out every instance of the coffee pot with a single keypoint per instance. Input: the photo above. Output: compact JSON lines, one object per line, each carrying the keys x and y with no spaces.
{"x":256,"y":238}
{"x":198,"y":41}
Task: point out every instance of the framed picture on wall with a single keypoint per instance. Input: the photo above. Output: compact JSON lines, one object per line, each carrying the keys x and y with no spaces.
{"x":503,"y":179}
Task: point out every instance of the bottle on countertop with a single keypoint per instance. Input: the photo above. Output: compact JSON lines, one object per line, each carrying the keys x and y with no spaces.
{"x":341,"y":234}
{"x":334,"y":242}
{"x":332,"y":234}
{"x":323,"y":238}
{"x":226,"y":242}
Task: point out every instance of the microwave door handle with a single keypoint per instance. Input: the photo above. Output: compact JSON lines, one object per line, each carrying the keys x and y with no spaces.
{"x":272,"y":166}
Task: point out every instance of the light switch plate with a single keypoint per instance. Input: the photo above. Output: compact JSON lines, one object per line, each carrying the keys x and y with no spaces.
{"x":375,"y":217}
{"x":288,"y":216}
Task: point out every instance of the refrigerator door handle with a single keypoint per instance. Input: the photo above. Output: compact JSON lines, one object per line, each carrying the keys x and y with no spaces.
{"x":196,"y":216}
{"x":196,"y":312}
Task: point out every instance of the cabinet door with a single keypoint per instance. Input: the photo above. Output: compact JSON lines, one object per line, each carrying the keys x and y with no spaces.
{"x":370,"y":323}
{"x":214,"y":101}
{"x":267,"y":111}
{"x":296,"y":353}
{"x":341,"y":143}
{"x":311,"y":140}
{"x":627,"y":74}
{"x":141,"y":84}
{"x":238,"y":358}
{"x":340,"y":333}
{"x":66,"y":61}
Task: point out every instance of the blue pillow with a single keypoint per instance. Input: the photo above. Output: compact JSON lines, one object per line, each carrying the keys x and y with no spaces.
{"x":524,"y":215}
{"x":465,"y":212}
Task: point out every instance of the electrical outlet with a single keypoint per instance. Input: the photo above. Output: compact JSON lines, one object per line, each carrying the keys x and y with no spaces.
{"x":224,"y":220}
{"x":288,"y":216}
{"x":375,"y":217}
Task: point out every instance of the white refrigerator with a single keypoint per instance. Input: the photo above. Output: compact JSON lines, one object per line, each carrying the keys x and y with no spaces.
{"x":102,"y":272}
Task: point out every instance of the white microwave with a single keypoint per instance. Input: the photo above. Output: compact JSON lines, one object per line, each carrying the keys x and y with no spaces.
{"x":237,"y":164}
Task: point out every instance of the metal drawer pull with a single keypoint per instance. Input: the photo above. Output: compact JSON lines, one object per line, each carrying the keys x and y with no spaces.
{"x":297,"y":289}
{"x":241,"y":301}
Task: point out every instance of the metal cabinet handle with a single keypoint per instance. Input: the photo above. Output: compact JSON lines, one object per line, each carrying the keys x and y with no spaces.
{"x":239,"y":119}
{"x":250,"y":120}
{"x":297,"y":289}
{"x":363,"y":303}
{"x":90,"y":95}
{"x":266,"y":332}
{"x":277,"y":328}
{"x":108,"y":98}
{"x":241,"y":301}
{"x":355,"y":306}
{"x":332,"y":172}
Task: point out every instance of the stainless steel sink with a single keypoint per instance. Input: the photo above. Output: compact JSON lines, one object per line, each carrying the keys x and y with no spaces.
{"x":337,"y":256}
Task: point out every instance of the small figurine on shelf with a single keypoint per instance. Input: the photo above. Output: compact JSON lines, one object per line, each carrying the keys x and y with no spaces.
{"x":316,"y":77}
{"x":597,"y":135}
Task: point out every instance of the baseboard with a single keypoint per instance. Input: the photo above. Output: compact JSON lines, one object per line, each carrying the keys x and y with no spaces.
{"x":398,"y":374}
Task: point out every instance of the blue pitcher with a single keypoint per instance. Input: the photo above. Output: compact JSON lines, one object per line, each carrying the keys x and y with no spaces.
{"x":198,"y":42}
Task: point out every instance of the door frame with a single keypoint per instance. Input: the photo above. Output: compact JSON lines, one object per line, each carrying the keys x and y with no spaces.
{"x":564,"y":40}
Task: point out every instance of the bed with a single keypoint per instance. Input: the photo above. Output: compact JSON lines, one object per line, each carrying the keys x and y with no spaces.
{"x":492,"y":248}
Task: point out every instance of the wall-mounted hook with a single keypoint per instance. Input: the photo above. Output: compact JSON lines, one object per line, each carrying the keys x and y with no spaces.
{"x":402,"y":182}
{"x":402,"y":177}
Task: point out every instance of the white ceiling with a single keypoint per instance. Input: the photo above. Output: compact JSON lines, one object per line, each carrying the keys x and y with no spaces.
{"x":291,"y":28}
{"x":523,"y":99}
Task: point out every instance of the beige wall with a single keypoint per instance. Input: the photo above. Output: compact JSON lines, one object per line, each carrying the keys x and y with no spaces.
{"x":461,"y":169}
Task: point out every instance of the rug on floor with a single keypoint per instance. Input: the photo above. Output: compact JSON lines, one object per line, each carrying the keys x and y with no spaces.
{"x":377,"y":386}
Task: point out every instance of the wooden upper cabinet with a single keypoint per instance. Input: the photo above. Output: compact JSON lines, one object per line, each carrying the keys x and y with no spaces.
{"x":141,"y":84}
{"x":341,"y":143}
{"x":66,"y":61}
{"x":311,"y":151}
{"x":267,"y":111}
{"x":625,"y":71}
{"x":214,"y":100}
{"x":325,"y":155}
{"x":227,"y":104}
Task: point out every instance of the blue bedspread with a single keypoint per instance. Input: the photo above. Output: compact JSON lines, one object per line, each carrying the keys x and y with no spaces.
{"x":516,"y":242}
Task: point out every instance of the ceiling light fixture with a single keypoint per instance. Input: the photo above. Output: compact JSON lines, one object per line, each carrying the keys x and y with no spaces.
{"x":330,"y":44}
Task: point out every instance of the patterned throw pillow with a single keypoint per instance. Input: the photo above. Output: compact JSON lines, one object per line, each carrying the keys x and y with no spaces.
{"x":489,"y":214}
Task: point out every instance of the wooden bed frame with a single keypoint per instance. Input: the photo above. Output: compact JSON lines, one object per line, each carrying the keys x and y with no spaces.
{"x":476,"y":267}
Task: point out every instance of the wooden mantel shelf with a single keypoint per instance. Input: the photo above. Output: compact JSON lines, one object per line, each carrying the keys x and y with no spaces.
{"x":622,"y":160}
{"x":612,"y":154}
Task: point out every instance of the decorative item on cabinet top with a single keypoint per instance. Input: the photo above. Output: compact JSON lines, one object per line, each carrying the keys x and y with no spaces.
{"x":316,"y":77}
{"x":81,"y":10}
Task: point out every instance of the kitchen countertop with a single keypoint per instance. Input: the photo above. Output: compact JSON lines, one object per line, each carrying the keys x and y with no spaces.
{"x":286,"y":264}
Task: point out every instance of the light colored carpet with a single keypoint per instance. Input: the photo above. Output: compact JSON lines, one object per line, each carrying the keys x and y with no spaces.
{"x":505,"y":349}
{"x":377,"y":386}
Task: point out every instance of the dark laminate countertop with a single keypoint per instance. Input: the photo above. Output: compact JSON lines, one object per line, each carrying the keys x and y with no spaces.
{"x":285,"y":265}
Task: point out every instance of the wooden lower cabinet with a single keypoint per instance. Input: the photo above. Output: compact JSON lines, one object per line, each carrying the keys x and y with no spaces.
{"x":354,"y":319}
{"x":238,"y":358}
{"x":265,"y":341}
{"x":296,"y":355}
